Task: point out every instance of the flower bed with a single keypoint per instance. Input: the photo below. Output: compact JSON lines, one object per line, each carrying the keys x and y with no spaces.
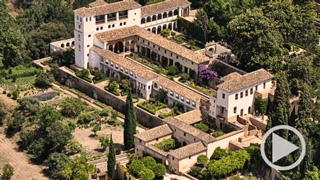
{"x":84,"y":74}
{"x":113,"y":87}
{"x":98,"y":76}
{"x":152,"y":105}
{"x":168,"y":144}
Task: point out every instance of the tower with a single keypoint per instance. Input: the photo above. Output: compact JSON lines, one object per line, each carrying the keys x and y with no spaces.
{"x":83,"y":37}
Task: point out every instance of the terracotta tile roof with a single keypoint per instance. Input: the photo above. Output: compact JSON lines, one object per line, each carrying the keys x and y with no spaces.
{"x":188,"y":150}
{"x":163,"y":6}
{"x":175,"y":123}
{"x":108,"y":8}
{"x":157,"y":150}
{"x":178,"y":88}
{"x":153,"y":38}
{"x":97,"y":3}
{"x":191,"y":117}
{"x":154,"y":133}
{"x":244,"y":81}
{"x":140,"y":70}
{"x":230,"y":76}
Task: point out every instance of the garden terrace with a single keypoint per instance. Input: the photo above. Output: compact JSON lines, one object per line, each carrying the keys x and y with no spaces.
{"x":187,"y":42}
{"x":168,"y":144}
{"x":152,"y":105}
{"x":156,"y":68}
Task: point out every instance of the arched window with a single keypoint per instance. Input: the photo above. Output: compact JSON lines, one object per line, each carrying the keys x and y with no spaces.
{"x":154,"y":17}
{"x":165,"y":15}
{"x":143,"y":20}
{"x":148,"y":19}
{"x":68,"y":44}
{"x":62,"y":45}
{"x":159,"y":16}
{"x":176,"y":12}
{"x":170,"y":13}
{"x":72,"y":43}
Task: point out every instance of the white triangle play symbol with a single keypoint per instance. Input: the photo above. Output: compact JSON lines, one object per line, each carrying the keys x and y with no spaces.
{"x":281,"y":147}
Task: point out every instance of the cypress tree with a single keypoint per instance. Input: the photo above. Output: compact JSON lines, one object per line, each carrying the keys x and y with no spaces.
{"x":130,"y":123}
{"x":111,"y":159}
{"x":280,"y":111}
{"x":305,"y":111}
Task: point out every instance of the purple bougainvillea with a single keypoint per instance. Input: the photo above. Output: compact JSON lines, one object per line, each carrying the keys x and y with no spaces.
{"x":206,"y":74}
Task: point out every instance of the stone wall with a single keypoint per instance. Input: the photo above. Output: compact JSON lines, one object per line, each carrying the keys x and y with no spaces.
{"x":227,"y":68}
{"x":69,"y":79}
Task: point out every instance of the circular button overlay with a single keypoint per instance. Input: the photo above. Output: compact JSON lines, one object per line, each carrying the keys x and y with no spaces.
{"x":274,"y":149}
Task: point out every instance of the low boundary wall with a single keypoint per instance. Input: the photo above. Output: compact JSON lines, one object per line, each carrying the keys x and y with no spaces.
{"x":69,"y":79}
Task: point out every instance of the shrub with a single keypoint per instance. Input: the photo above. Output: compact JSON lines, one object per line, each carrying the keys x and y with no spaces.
{"x":173,"y":70}
{"x":104,"y":141}
{"x":105,"y":112}
{"x":165,"y":33}
{"x":159,"y":170}
{"x":173,"y":33}
{"x":168,"y":144}
{"x":7,"y":172}
{"x":98,"y":76}
{"x":3,"y":114}
{"x":217,"y":134}
{"x":44,"y":80}
{"x":31,"y":105}
{"x":4,"y":92}
{"x":202,"y":159}
{"x":72,"y":107}
{"x":87,"y":117}
{"x":15,"y":94}
{"x":9,"y":94}
{"x":149,"y":161}
{"x":261,"y":105}
{"x":202,"y":127}
{"x":125,"y":89}
{"x":195,"y":171}
{"x":113,"y":87}
{"x":184,"y":77}
{"x":136,"y":167}
{"x":84,"y":74}
{"x":219,"y":153}
{"x":146,"y":174}
{"x":74,"y":147}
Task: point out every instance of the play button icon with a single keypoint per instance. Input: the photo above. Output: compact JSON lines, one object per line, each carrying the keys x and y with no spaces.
{"x":281,"y":147}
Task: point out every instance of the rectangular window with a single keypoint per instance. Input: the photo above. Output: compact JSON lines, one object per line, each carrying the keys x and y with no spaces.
{"x":251,"y":91}
{"x":112,"y":16}
{"x":235,"y":109}
{"x":89,"y":35}
{"x":256,"y":88}
{"x":123,"y":14}
{"x":223,"y":96}
{"x":264,"y":85}
{"x":237,"y":96}
{"x":247,"y":92}
{"x":241,"y":95}
{"x":100,"y":19}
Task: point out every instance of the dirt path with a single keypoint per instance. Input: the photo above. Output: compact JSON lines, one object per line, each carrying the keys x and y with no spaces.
{"x":23,"y":168}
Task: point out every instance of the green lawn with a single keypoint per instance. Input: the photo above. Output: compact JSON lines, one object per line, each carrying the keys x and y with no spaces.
{"x":22,"y":83}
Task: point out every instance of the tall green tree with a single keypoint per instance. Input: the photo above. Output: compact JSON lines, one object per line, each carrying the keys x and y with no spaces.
{"x":280,"y":111}
{"x":111,"y":159}
{"x":79,"y":168}
{"x":130,"y":123}
{"x":255,"y":41}
{"x":305,"y":111}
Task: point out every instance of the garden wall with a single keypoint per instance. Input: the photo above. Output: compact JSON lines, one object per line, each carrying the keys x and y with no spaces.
{"x":227,"y":68}
{"x":69,"y":79}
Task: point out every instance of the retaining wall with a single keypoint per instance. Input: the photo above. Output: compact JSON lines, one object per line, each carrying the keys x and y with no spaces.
{"x":69,"y":79}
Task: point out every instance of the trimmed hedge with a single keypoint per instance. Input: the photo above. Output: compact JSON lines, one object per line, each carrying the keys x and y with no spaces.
{"x":173,"y":112}
{"x":84,"y":74}
{"x":202,"y":127}
{"x":217,"y":134}
{"x":155,"y":105}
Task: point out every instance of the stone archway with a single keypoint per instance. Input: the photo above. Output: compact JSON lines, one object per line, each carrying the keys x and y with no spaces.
{"x":170,"y":26}
{"x":164,"y":26}
{"x":119,"y":47}
{"x":111,"y":48}
{"x":159,"y":30}
{"x":154,"y":30}
{"x":127,"y":46}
